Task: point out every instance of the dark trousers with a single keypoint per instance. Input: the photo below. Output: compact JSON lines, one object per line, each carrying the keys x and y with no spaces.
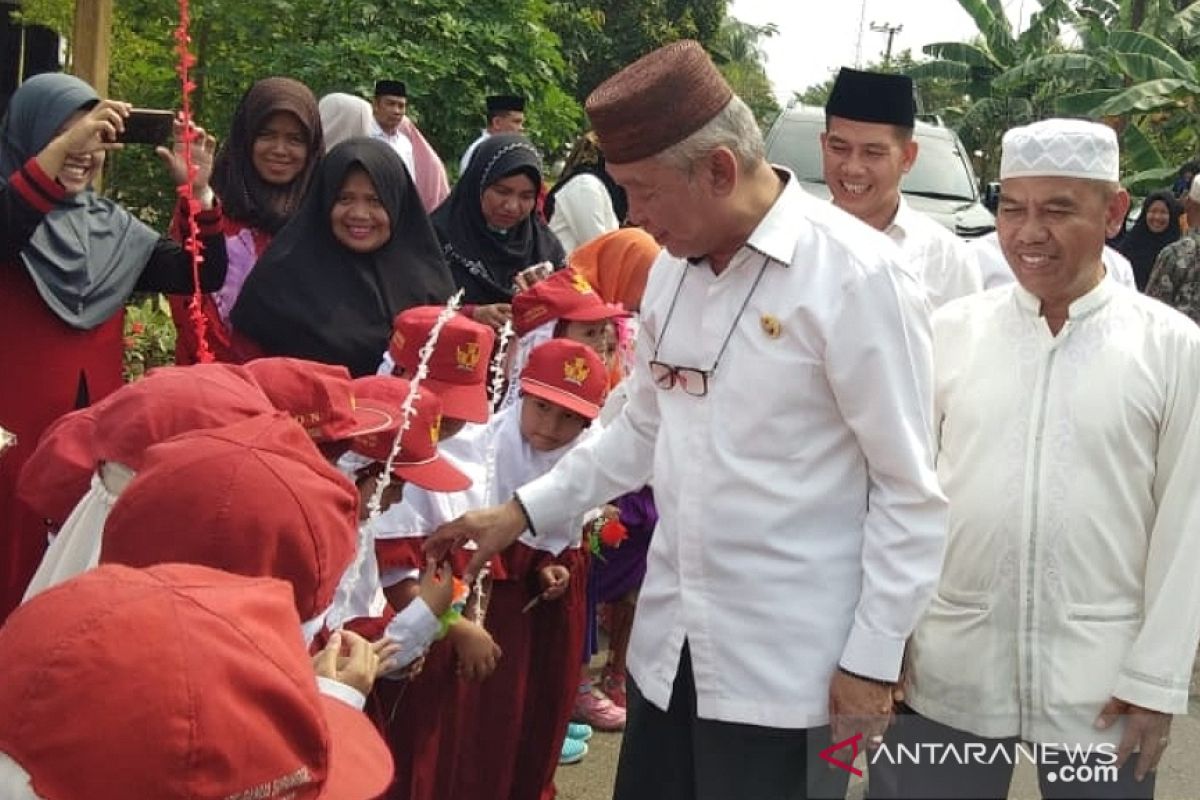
{"x":905,"y":780}
{"x":674,"y":755}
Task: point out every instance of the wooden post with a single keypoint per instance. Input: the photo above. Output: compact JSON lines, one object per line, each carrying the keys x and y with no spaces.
{"x":91,"y":42}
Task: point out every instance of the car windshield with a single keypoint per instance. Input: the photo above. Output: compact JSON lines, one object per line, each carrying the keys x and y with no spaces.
{"x":939,"y":171}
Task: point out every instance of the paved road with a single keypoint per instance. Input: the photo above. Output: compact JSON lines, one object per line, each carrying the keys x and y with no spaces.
{"x":1179,"y":774}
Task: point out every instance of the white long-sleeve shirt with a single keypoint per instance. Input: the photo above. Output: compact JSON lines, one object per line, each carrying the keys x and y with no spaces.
{"x":801,"y":524}
{"x":1071,"y":463}
{"x":945,"y":263}
{"x":582,"y":211}
{"x":398,"y":142}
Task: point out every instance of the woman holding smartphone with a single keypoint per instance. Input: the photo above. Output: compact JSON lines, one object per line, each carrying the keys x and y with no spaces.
{"x":490,"y":231}
{"x":69,"y":260}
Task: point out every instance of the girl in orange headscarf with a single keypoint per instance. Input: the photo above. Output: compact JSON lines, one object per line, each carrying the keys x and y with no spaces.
{"x":617,"y":265}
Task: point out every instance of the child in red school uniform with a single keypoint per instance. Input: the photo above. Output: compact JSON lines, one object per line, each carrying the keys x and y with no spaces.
{"x":563,"y":305}
{"x":536,"y":608}
{"x":177,"y":680}
{"x":359,"y":600}
{"x":105,"y":445}
{"x":457,"y":372}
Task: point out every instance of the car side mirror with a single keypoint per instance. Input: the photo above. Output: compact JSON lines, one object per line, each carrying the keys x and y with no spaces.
{"x":991,"y":196}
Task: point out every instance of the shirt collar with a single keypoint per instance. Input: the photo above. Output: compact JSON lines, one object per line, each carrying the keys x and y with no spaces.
{"x":901,"y":224}
{"x":776,"y":234}
{"x":1080,"y":307}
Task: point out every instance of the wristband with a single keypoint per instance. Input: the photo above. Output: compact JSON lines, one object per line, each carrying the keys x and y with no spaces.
{"x":451,"y":616}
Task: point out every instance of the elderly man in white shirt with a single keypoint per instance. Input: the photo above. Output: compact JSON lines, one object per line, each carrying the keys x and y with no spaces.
{"x":866,"y":150}
{"x":780,"y":397}
{"x":1068,"y":611}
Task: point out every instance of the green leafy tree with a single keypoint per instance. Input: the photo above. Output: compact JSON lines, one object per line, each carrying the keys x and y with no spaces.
{"x":451,"y":53}
{"x":738,"y":53}
{"x":615,"y":33}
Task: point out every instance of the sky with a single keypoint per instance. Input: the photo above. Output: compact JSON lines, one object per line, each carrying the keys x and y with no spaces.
{"x":818,"y":36}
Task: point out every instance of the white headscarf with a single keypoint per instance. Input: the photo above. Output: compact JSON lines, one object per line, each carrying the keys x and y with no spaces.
{"x":76,"y":548}
{"x":344,"y":116}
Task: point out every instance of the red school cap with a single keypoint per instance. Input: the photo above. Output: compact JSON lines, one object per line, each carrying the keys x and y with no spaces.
{"x":320,"y":397}
{"x":458,"y":367}
{"x":177,"y":681}
{"x":254,"y":498}
{"x":419,"y":460}
{"x":170,"y":401}
{"x":568,"y":374}
{"x":567,"y":295}
{"x":59,"y":472}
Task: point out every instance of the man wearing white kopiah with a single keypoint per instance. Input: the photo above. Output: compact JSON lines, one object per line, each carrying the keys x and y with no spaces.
{"x":1068,"y":610}
{"x":780,"y":396}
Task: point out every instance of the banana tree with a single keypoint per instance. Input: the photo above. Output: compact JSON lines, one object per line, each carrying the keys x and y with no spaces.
{"x":1144,"y":82}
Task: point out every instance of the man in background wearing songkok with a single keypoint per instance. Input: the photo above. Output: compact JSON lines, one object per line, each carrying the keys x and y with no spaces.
{"x":389,"y":107}
{"x":866,"y":150}
{"x":1068,"y":611}
{"x":505,"y":114}
{"x":780,"y":397}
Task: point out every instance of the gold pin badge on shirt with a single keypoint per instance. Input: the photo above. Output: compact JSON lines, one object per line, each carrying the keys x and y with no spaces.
{"x":771,"y":326}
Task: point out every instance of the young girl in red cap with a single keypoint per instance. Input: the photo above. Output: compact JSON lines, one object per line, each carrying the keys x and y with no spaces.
{"x":536,"y":608}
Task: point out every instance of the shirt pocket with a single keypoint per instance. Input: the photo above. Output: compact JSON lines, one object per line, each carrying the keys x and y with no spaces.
{"x":1103,"y":612}
{"x":964,"y":600}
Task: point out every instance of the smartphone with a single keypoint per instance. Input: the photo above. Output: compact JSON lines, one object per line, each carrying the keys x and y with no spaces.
{"x":531,"y":275}
{"x":148,"y":126}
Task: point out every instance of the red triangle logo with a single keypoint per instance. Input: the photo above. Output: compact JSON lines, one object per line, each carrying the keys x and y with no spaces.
{"x":848,"y":766}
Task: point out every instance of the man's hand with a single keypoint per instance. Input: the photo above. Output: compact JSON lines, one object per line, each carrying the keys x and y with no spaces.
{"x":493,"y":529}
{"x":857,"y":705}
{"x":1146,"y":731}
{"x":349,"y":659}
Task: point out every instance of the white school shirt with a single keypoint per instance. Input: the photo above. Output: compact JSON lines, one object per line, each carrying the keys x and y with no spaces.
{"x":1071,"y":463}
{"x":400,"y":143}
{"x":945,"y":263}
{"x":800,"y":521}
{"x":996,"y":271}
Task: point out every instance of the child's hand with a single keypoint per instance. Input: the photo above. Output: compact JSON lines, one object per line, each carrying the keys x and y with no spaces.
{"x":437,"y":586}
{"x":477,"y":652}
{"x":554,"y":581}
{"x":349,"y":659}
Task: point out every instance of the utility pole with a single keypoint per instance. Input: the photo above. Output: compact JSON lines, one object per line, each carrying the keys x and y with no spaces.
{"x":891,"y":31}
{"x":862,"y":17}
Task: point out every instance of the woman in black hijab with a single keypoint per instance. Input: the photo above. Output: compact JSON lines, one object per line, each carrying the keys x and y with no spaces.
{"x":1156,"y":227}
{"x":489,"y":228}
{"x":359,"y":251}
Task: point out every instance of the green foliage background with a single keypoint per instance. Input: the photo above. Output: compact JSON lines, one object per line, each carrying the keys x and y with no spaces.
{"x":451,"y":53}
